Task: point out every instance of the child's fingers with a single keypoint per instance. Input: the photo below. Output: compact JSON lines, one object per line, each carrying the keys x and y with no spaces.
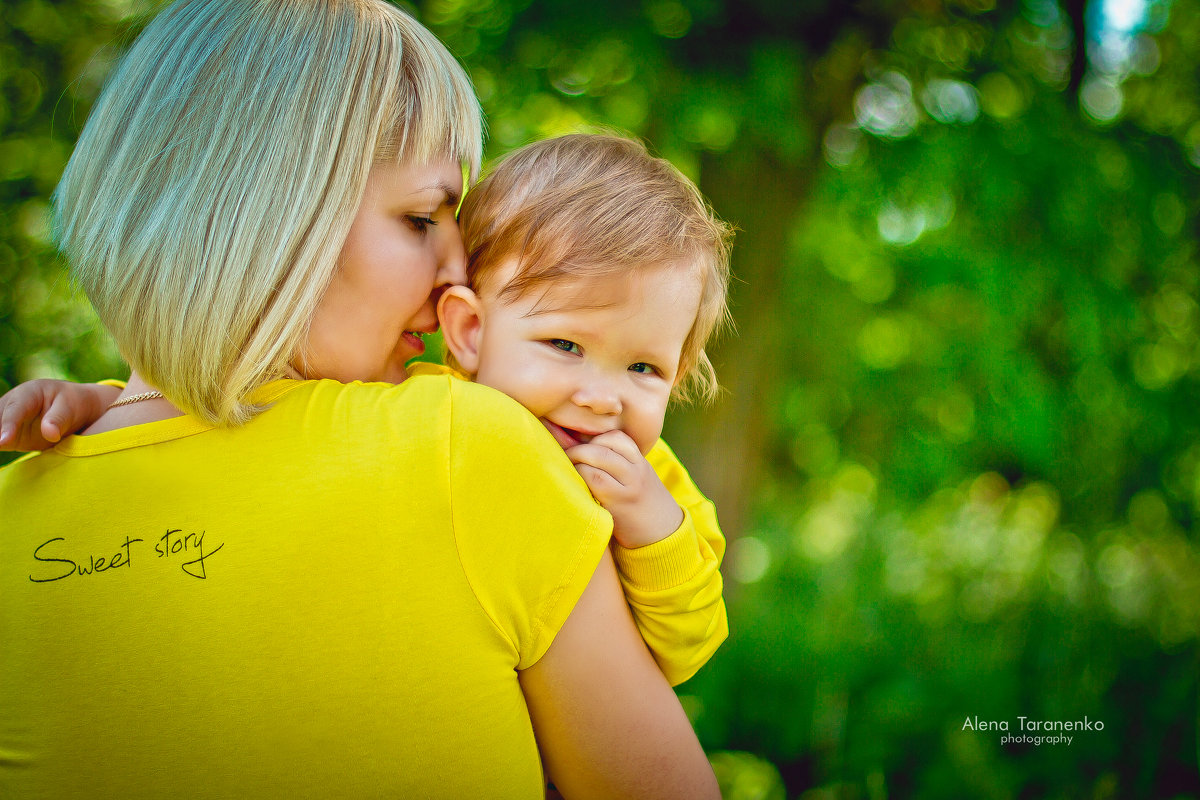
{"x":592,"y":476}
{"x":614,"y":452}
{"x":31,"y":437}
{"x":18,"y":408}
{"x":600,"y":458}
{"x":606,"y":473}
{"x":51,"y":431}
{"x":22,"y":437}
{"x":619,"y":442}
{"x":58,"y":418}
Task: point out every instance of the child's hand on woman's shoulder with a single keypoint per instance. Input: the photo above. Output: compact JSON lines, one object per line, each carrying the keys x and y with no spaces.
{"x":622,"y":480}
{"x":36,"y":414}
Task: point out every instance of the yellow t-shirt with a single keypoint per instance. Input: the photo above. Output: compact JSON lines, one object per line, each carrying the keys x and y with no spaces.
{"x":332,"y":600}
{"x":673,"y":586}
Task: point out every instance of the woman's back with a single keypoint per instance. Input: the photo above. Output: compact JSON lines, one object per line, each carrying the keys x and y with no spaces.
{"x":333,"y":598}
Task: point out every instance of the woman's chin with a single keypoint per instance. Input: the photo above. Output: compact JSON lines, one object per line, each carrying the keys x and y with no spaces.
{"x":394,"y":373}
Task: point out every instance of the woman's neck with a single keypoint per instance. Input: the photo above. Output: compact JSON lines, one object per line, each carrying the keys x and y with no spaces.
{"x":138,"y":412}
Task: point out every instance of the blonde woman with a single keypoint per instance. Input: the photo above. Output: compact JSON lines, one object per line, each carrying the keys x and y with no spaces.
{"x":260,"y":573}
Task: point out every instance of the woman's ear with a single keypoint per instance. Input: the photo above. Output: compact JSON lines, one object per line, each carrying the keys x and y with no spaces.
{"x":461,"y":316}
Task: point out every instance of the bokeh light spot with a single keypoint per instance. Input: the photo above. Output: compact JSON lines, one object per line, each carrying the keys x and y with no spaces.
{"x":884,"y":343}
{"x":885,"y":107}
{"x":1158,"y":365}
{"x":1168,"y":213}
{"x":900,"y":226}
{"x":749,"y":558}
{"x":951,"y":101}
{"x":669,"y":19}
{"x":825,"y":532}
{"x":710,"y":126}
{"x":1066,"y":566}
{"x":843,"y":146}
{"x":1101,"y":99}
{"x":876,"y":283}
{"x":1000,"y":96}
{"x":743,"y":776}
{"x":1122,"y":572}
{"x":33,"y":220}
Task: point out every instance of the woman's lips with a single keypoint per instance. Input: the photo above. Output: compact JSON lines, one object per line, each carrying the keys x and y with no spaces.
{"x":413,"y":339}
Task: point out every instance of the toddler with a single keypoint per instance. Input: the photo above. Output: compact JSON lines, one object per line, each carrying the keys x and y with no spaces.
{"x":596,"y":275}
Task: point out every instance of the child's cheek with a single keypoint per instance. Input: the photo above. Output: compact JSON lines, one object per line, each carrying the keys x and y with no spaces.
{"x":646,"y":438}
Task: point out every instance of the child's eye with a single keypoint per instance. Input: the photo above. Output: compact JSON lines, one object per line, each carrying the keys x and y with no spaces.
{"x":642,"y":368}
{"x":419,"y":224}
{"x":565,"y":345}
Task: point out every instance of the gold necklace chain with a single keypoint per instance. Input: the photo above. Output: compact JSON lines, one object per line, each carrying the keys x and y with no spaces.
{"x":136,"y":398}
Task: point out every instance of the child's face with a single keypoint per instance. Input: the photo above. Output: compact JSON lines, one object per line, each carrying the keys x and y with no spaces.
{"x":590,"y":357}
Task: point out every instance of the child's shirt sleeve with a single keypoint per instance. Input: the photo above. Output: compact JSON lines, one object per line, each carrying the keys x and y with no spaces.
{"x":674,"y":586}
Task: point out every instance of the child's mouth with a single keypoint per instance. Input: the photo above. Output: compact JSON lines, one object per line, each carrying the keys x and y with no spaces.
{"x":566,"y":437}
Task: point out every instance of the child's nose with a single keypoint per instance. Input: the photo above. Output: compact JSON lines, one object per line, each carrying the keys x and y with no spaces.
{"x":599,"y":396}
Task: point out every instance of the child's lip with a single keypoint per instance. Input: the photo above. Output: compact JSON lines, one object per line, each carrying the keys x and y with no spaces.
{"x":567,"y":437}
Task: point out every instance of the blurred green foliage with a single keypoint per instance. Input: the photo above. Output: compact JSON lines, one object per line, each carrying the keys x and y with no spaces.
{"x":53,"y":60}
{"x":959,"y":454}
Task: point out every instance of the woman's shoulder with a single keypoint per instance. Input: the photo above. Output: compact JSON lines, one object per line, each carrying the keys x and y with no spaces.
{"x":438,"y":386}
{"x":526,"y":531}
{"x":473,"y":409}
{"x":470,"y":419}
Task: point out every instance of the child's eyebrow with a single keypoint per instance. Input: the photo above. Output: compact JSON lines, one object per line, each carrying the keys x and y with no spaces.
{"x":566,"y":307}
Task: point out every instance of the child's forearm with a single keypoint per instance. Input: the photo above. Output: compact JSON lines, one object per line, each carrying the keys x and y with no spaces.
{"x":674,"y":586}
{"x":674,"y":589}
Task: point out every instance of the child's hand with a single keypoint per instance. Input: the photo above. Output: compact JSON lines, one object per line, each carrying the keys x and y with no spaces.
{"x":623,"y":481}
{"x":37,"y":414}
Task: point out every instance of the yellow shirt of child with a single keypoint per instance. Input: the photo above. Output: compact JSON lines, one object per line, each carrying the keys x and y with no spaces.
{"x":673,"y":586}
{"x":331,"y":601}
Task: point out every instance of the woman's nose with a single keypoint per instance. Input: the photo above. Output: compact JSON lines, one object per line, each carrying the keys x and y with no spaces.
{"x":452,"y":262}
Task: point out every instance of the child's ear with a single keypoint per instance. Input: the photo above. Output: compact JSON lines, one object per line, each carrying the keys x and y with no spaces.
{"x":461,"y":317}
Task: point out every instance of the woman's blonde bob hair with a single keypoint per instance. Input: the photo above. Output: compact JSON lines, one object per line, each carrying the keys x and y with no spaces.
{"x":598,"y":206}
{"x":212,"y":189}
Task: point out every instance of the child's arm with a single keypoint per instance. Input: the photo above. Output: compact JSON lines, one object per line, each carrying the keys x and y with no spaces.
{"x":36,"y":414}
{"x":671,"y":580}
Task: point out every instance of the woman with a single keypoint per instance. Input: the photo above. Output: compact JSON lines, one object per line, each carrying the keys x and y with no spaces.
{"x":257,"y":576}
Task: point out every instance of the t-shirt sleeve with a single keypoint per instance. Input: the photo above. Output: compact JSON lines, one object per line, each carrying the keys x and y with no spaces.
{"x":674,"y":586}
{"x":529,"y":534}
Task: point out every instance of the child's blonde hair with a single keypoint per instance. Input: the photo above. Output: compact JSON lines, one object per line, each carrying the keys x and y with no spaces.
{"x":207,"y":200}
{"x":596,"y":206}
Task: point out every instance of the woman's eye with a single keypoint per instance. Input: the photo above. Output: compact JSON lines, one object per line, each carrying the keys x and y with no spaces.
{"x":642,"y":368}
{"x":565,"y":345}
{"x":419,"y":224}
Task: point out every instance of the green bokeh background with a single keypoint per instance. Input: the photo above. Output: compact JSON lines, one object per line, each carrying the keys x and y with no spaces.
{"x":958,"y":455}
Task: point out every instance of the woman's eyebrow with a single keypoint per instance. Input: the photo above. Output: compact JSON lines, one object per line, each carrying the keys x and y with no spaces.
{"x":453,"y":196}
